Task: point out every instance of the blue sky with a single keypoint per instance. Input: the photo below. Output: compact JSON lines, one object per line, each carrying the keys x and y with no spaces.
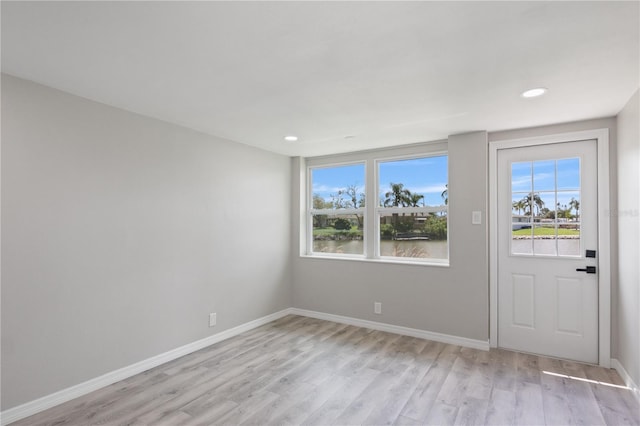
{"x":426,"y":176}
{"x":543,"y":177}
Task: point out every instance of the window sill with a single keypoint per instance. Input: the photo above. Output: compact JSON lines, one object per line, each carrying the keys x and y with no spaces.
{"x":383,"y":260}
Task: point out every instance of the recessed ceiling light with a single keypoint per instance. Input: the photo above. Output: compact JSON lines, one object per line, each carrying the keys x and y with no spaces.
{"x":533,"y":93}
{"x":291,"y":138}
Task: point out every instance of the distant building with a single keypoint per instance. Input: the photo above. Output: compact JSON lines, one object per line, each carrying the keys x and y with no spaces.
{"x":520,"y":221}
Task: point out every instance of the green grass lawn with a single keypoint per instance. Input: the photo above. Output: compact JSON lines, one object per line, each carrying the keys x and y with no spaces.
{"x":333,"y":231}
{"x":546,"y":231}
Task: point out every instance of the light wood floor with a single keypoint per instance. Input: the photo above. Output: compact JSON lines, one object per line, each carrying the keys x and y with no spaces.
{"x":300,"y":370}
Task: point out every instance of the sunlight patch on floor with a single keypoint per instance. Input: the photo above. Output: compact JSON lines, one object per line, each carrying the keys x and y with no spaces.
{"x":565,"y":376}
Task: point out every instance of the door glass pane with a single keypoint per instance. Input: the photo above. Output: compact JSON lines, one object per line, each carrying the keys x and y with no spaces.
{"x":519,"y":211}
{"x":569,"y":240}
{"x":544,"y":176}
{"x":568,"y":223}
{"x":568,"y":206}
{"x":569,"y":173}
{"x":544,"y":240}
{"x":522,"y":239}
{"x":545,"y":208}
{"x":521,"y":177}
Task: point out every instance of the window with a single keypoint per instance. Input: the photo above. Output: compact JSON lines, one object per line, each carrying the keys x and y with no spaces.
{"x":412,"y":208}
{"x":337,"y":209}
{"x":401,"y":215}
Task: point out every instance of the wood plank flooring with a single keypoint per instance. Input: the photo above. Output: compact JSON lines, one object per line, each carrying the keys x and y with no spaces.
{"x":300,"y":370}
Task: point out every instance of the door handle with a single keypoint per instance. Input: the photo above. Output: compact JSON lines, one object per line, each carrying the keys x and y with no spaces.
{"x":588,"y":269}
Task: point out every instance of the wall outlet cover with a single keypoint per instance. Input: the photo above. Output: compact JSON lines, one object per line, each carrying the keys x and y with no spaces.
{"x":476,"y":218}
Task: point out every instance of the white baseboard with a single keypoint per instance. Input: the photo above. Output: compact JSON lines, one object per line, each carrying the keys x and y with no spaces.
{"x":64,"y":395}
{"x":405,"y":331}
{"x":628,"y":381}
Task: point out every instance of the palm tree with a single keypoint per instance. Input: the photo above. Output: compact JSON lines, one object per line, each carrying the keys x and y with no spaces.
{"x":532,"y":200}
{"x":398,"y":196}
{"x":519,"y":205}
{"x":575,"y":204}
{"x":563,"y":211}
{"x":445,"y":195}
{"x":415,"y":199}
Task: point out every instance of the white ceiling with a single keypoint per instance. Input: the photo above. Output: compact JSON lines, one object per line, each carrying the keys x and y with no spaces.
{"x":385,"y":73}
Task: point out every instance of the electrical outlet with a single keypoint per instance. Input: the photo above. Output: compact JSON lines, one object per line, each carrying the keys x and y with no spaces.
{"x":213,"y":319}
{"x":377,"y":307}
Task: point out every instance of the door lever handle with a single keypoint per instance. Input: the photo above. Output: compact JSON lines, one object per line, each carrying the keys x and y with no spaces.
{"x":588,"y":269}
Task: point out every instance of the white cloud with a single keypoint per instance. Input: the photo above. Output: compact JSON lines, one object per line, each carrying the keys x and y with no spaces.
{"x":524,"y":183}
{"x":333,"y":189}
{"x":521,"y":184}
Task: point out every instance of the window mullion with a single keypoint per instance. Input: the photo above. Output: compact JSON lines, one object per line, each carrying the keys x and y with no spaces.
{"x":371,"y":225}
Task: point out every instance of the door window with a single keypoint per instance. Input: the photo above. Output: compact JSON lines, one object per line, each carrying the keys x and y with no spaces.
{"x":545,"y":216}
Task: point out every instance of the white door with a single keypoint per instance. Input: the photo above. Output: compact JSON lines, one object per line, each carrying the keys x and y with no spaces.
{"x":547,"y":221}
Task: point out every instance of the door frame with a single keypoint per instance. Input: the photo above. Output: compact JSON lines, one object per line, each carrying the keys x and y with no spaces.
{"x":604,"y":230}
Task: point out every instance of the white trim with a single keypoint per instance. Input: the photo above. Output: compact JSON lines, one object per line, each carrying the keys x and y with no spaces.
{"x":492,"y":210}
{"x":604,"y":249}
{"x":444,"y":263}
{"x":299,"y":211}
{"x":337,"y":212}
{"x":628,"y":381}
{"x":427,"y":209}
{"x":604,"y":229}
{"x":64,"y":395}
{"x":396,"y":329}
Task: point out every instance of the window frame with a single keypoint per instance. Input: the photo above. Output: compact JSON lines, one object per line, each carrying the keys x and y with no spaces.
{"x":372,"y":210}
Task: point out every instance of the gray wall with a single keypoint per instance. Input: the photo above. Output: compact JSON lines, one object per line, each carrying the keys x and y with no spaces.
{"x":121,"y":233}
{"x":628,"y":296}
{"x":451,"y":300}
